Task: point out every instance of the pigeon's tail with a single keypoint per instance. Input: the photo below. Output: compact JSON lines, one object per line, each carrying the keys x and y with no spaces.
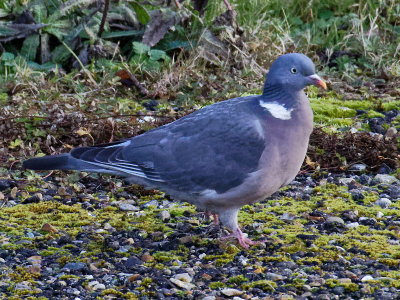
{"x":61,"y":162}
{"x":110,"y":158}
{"x":54,"y":162}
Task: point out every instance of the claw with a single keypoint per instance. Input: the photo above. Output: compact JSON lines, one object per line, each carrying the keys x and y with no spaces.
{"x":244,"y":241}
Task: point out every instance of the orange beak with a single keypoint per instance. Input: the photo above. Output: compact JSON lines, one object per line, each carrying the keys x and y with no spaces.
{"x":317,"y":81}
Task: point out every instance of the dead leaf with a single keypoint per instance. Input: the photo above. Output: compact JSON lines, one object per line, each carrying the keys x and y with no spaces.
{"x":161,"y":21}
{"x":128,"y":79}
{"x":82,"y":131}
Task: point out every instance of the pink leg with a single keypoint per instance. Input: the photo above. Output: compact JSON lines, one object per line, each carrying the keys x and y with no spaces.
{"x":244,"y":241}
{"x":216,"y":219}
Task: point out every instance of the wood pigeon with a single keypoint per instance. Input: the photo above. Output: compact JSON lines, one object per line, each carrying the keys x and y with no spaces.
{"x":221,"y":157}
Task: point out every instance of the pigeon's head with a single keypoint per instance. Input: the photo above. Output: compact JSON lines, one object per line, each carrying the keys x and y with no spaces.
{"x":293,"y":71}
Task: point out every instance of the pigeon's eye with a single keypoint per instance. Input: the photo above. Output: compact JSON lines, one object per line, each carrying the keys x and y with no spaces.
{"x":293,"y":70}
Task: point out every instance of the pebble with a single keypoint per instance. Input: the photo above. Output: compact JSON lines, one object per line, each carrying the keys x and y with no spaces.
{"x":95,"y":285}
{"x":367,"y":278}
{"x":151,"y":203}
{"x":385,"y":178}
{"x":185,"y":285}
{"x":394,"y":191}
{"x":344,"y":280}
{"x":274,"y":276}
{"x":383,"y":202}
{"x":379,"y":215}
{"x":350,"y":215}
{"x":358,"y":168}
{"x":367,"y":221}
{"x":346,"y":181}
{"x":23,"y":285}
{"x":352,"y":225}
{"x":391,"y":132}
{"x":185,"y":277}
{"x":231,"y":292}
{"x":49,"y":228}
{"x":133,"y":261}
{"x":287,"y":217}
{"x":147,"y":257}
{"x":75,"y":266}
{"x":357,"y":195}
{"x":30,"y":235}
{"x":209,"y":298}
{"x":165,"y":215}
{"x":287,"y":264}
{"x":107,"y":226}
{"x":365,"y":179}
{"x":334,"y":220}
{"x":128,"y":207}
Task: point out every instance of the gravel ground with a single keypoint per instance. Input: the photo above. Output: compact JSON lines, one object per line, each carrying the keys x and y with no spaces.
{"x":325,"y":236}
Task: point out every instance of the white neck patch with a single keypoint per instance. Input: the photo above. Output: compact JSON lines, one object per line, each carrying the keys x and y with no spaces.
{"x":277,"y":111}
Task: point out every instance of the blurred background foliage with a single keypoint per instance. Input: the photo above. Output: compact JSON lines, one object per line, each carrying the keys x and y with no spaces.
{"x":352,"y":37}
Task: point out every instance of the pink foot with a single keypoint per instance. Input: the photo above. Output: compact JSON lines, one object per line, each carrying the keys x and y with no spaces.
{"x":244,"y":241}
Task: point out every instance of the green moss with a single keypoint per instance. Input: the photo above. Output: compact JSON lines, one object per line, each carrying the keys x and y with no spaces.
{"x":112,"y":292}
{"x":391,"y":105}
{"x":53,"y":250}
{"x":331,"y":110}
{"x":69,"y":276}
{"x":265,"y":285}
{"x":165,"y":256}
{"x":216,"y":285}
{"x":146,"y":282}
{"x":374,"y":114}
{"x":21,"y":274}
{"x":389,"y":261}
{"x":221,"y":259}
{"x":238,"y":279}
{"x":348,"y":286}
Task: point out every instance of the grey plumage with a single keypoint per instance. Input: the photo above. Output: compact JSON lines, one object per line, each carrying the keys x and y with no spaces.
{"x":220,"y":157}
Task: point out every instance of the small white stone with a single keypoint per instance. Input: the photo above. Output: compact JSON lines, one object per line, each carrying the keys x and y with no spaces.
{"x":128,"y":207}
{"x":62,"y":283}
{"x":367,"y":278}
{"x":167,"y":272}
{"x":99,"y":286}
{"x":231,"y":292}
{"x":346,"y":181}
{"x":352,"y":225}
{"x":185,"y":277}
{"x":165,"y":215}
{"x":383,"y":202}
{"x":379,"y":214}
{"x":185,"y":285}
